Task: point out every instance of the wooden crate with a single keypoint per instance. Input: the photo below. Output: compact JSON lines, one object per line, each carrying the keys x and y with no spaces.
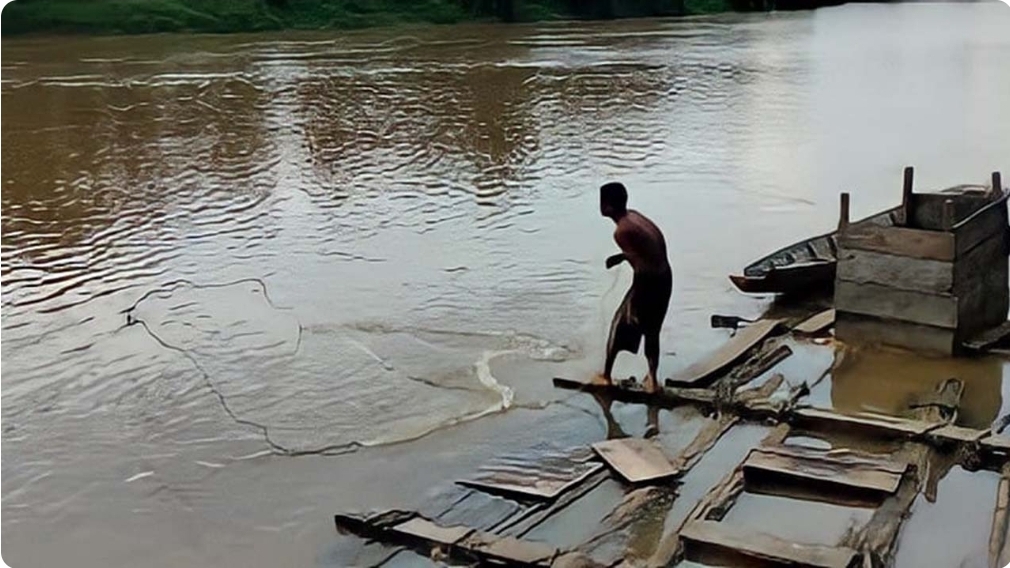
{"x":931,"y":281}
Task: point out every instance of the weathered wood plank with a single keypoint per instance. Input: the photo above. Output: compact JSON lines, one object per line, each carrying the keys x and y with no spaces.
{"x":729,"y":353}
{"x":637,"y":460}
{"x":858,"y":328}
{"x":989,"y":337}
{"x":950,"y":433}
{"x":900,"y":272}
{"x":905,"y":305}
{"x":816,"y":323}
{"x":766,"y":547}
{"x":999,"y":543}
{"x":901,"y":241}
{"x":631,"y":391}
{"x":509,"y":549}
{"x":421,"y":528}
{"x":984,"y":223}
{"x":996,"y":443}
{"x":878,"y":423}
{"x":980,"y":283}
{"x":544,"y":479}
{"x":532,"y":517}
{"x":859,"y":473}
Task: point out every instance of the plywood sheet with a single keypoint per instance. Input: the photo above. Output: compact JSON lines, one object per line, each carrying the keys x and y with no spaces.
{"x":637,"y":460}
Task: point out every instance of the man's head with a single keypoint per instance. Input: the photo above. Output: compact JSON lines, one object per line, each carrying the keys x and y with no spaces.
{"x":613,"y":200}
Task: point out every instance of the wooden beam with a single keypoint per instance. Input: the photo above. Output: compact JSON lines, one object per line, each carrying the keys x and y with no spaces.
{"x":843,"y":212}
{"x":996,"y":190}
{"x":900,"y":241}
{"x":988,"y":338}
{"x":906,"y":195}
{"x":766,"y":547}
{"x":903,"y":305}
{"x":816,"y":323}
{"x":999,"y":543}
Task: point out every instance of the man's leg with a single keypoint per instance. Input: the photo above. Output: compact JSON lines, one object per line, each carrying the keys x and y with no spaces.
{"x":652,"y":356}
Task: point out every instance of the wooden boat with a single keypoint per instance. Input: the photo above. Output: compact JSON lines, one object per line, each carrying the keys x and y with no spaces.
{"x":804,"y":267}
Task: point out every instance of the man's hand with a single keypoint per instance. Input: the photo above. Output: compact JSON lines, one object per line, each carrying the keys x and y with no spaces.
{"x":616,"y":259}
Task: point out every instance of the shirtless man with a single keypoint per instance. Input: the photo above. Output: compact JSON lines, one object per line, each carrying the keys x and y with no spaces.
{"x":644,"y":306}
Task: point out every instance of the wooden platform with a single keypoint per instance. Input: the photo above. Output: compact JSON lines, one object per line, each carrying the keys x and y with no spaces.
{"x":637,"y":460}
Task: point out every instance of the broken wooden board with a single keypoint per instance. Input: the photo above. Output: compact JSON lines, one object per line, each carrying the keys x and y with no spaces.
{"x":509,"y":549}
{"x":816,"y":323}
{"x":880,"y":423}
{"x":636,"y":459}
{"x":853,"y":471}
{"x":999,"y":537}
{"x":729,"y":353}
{"x":989,"y":338}
{"x":996,"y":443}
{"x":423,"y":529}
{"x":959,"y":434}
{"x":539,"y":477}
{"x":766,"y":547}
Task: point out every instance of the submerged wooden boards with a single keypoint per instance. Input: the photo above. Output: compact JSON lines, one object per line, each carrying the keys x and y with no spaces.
{"x":726,"y":355}
{"x":848,"y":470}
{"x":637,"y":460}
{"x":540,"y":477}
{"x":880,"y":423}
{"x":766,"y":547}
{"x":816,"y":323}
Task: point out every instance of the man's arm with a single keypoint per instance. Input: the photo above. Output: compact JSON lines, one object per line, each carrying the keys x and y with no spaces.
{"x":616,"y":259}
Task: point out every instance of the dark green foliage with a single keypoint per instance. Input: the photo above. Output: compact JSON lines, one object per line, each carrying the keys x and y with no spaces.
{"x":145,"y":16}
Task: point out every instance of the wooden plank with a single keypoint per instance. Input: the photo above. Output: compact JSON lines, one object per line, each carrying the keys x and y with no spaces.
{"x":421,"y":528}
{"x":901,"y":272}
{"x":999,"y":543}
{"x":903,"y":305}
{"x":989,"y":337}
{"x":901,"y":241}
{"x":957,"y":434}
{"x":816,"y":323}
{"x":863,"y":474}
{"x":984,"y":223}
{"x":766,"y":547}
{"x":880,"y":423}
{"x":980,"y":282}
{"x":631,"y":391}
{"x":857,"y":328}
{"x":996,"y":443}
{"x":509,"y":549}
{"x":637,"y":460}
{"x":728,"y":354}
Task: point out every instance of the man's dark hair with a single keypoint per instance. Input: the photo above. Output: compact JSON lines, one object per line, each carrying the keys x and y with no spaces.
{"x":615,"y":194}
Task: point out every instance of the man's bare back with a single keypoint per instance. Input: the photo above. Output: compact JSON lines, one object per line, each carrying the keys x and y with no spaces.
{"x":644,"y":307}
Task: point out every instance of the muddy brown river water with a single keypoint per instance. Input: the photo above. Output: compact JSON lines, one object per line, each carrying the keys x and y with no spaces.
{"x":249,"y":281}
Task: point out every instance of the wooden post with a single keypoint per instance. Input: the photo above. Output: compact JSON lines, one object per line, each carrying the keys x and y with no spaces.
{"x":843,"y":216}
{"x":947,"y":221}
{"x":997,"y":186}
{"x":906,"y":195}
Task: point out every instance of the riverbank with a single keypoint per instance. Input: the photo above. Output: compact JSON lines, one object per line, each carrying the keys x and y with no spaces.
{"x":110,"y":17}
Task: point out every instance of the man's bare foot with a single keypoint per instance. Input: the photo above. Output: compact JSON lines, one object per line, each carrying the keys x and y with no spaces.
{"x":601,"y":379}
{"x":650,"y":385}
